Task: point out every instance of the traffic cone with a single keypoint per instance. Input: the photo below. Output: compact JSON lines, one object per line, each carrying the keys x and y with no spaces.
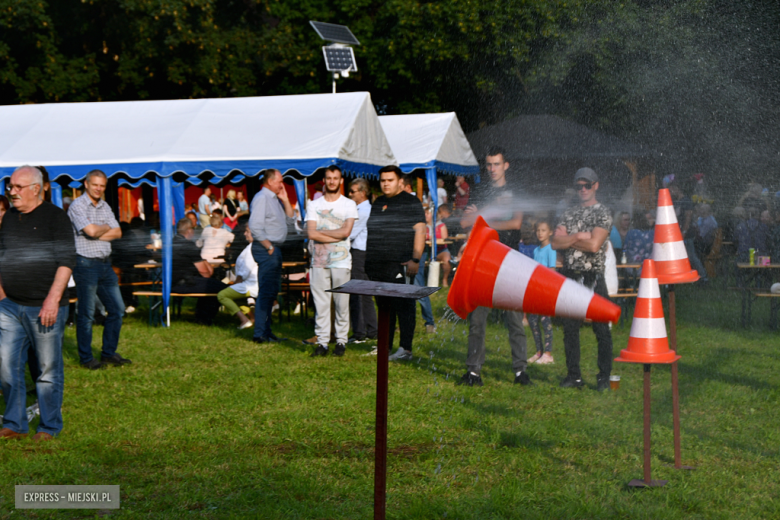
{"x":493,"y":275}
{"x":669,"y":253}
{"x":647,"y":342}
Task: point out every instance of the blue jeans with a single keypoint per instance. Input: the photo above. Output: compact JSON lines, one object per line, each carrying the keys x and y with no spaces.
{"x":425,"y":303}
{"x":96,"y":277}
{"x":20,"y":330}
{"x":269,"y":282}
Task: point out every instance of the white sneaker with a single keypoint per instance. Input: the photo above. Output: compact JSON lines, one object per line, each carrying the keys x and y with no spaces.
{"x":372,"y":353}
{"x":401,"y":355}
{"x":246,"y":325}
{"x":534,"y":358}
{"x":546,"y":359}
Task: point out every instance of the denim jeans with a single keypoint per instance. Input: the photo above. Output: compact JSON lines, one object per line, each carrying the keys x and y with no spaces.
{"x":269,"y":281}
{"x":96,"y":277}
{"x":20,"y":330}
{"x":425,"y":303}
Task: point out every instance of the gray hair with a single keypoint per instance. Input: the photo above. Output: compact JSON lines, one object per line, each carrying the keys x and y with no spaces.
{"x":183,"y":225}
{"x":95,"y":173}
{"x":35,"y":173}
{"x":360,"y":184}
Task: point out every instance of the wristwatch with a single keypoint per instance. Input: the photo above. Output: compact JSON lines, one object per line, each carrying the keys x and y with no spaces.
{"x":270,"y":249}
{"x":416,"y":260}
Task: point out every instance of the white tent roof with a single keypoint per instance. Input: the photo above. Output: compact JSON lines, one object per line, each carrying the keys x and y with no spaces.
{"x":430,"y":140}
{"x":250,"y":134}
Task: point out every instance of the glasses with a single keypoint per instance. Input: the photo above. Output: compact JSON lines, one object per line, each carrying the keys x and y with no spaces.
{"x":587,"y":186}
{"x":18,"y":187}
{"x":351,"y":192}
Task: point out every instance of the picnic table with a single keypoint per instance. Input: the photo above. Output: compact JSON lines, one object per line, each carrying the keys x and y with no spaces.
{"x":754,"y":282}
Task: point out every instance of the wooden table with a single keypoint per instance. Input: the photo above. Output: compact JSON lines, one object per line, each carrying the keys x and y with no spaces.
{"x":749,"y":282}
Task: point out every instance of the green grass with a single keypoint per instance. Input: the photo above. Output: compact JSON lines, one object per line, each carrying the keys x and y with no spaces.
{"x":206,"y":424}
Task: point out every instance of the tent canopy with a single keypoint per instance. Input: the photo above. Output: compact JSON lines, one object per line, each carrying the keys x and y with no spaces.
{"x":430,"y":141}
{"x":193,"y":136}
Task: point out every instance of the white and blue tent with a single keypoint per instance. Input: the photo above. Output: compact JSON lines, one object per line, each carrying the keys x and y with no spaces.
{"x":434,"y":143}
{"x":195,"y":139}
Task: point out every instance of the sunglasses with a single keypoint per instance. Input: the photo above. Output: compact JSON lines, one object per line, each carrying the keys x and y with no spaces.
{"x":587,"y":186}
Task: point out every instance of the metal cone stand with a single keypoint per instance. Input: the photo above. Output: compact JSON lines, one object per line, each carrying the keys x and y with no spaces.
{"x":388,"y":290}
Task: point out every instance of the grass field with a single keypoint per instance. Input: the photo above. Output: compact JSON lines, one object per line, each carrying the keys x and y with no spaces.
{"x":206,"y":424}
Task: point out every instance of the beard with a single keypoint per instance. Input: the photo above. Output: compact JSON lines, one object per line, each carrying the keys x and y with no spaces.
{"x":328,"y":190}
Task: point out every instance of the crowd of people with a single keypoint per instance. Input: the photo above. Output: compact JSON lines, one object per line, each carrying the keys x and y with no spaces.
{"x":387,"y":237}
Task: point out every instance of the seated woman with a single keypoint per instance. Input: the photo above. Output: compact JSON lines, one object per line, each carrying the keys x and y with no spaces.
{"x":245,"y":285}
{"x":638,"y":245}
{"x":214,"y":239}
{"x":442,"y":253}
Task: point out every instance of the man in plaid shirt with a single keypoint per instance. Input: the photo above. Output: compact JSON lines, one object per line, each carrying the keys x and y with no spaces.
{"x":95,"y":227}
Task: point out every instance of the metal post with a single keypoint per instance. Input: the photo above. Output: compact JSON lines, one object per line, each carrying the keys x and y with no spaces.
{"x":380,"y":445}
{"x":675,"y":387}
{"x":334,"y":82}
{"x":647,"y":481}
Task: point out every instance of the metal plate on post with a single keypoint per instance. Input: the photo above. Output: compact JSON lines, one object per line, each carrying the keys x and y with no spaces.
{"x":390,"y":290}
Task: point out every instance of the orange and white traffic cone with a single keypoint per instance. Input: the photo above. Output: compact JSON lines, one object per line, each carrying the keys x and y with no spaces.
{"x":493,"y":275}
{"x":647,"y":342}
{"x":669,"y":253}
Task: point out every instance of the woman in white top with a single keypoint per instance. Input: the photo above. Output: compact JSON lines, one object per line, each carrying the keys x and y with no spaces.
{"x":245,"y":285}
{"x":213,"y":240}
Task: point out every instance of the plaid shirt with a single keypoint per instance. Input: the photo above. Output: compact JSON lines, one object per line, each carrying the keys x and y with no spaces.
{"x":83,"y":213}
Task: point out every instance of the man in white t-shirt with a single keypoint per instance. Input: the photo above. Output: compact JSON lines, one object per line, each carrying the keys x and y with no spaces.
{"x":329,"y":221}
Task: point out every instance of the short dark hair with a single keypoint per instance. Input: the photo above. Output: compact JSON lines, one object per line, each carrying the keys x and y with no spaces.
{"x":392,"y":168}
{"x":544,"y":221}
{"x":270,"y":174}
{"x":334,"y":168}
{"x":498,"y":150}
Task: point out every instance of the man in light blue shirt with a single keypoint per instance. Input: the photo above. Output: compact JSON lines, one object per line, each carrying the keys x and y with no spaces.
{"x":268,"y":224}
{"x":204,"y":208}
{"x":361,"y":308}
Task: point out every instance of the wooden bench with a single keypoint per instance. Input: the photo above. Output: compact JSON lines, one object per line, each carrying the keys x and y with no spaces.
{"x":774,"y":305}
{"x":158,"y":294}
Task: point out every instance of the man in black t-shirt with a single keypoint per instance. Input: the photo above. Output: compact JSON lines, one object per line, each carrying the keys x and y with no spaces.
{"x":37,"y":256}
{"x":496,"y":201}
{"x":190,"y":273}
{"x":395,"y":242}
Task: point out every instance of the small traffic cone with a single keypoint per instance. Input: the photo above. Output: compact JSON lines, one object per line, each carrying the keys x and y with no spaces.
{"x":668,"y":247}
{"x":647,"y":342}
{"x":493,"y":275}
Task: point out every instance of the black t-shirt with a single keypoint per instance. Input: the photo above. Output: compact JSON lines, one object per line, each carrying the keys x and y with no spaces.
{"x":32,"y":247}
{"x":498,"y":203}
{"x":185,"y":255}
{"x":390,"y":239}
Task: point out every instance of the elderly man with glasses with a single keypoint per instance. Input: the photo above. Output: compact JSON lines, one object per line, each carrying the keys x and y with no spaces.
{"x":37,"y":255}
{"x":582,"y":236}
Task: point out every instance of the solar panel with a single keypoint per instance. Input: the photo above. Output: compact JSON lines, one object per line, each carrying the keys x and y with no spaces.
{"x":334,"y":33}
{"x":339,"y":59}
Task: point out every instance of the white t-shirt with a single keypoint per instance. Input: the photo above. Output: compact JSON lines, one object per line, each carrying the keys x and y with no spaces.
{"x":213,"y":241}
{"x":330,"y":216}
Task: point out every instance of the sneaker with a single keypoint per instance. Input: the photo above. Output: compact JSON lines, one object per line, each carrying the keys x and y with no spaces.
{"x":546,"y":359}
{"x":339,"y":350}
{"x":356,"y":341}
{"x":523,"y":379}
{"x":320,"y":351}
{"x":372,"y":353}
{"x":470,"y":380}
{"x":311,"y":341}
{"x":246,"y":325}
{"x":116,"y":359}
{"x":570,"y":382}
{"x":94,"y":364}
{"x":534,"y":358}
{"x":401,"y":355}
{"x":603,"y":384}
{"x":129,"y":309}
{"x":430,"y":329}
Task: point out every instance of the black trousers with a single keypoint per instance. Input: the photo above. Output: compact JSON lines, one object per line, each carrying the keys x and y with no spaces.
{"x":571,"y":330}
{"x":402,"y":308}
{"x":361,"y":308}
{"x":206,"y":308}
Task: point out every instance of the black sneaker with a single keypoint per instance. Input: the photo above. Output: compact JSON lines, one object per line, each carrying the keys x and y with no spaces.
{"x":603,"y":384}
{"x":320,"y":351}
{"x":469,"y":379}
{"x":523,"y":379}
{"x":339,"y":350}
{"x":355,"y":341}
{"x":570,"y":382}
{"x":94,"y":364}
{"x":116,"y":360}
